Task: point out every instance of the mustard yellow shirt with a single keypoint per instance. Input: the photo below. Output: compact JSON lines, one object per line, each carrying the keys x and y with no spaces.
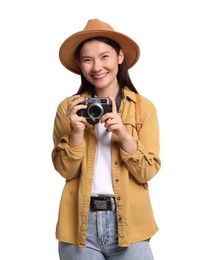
{"x":129,"y":171}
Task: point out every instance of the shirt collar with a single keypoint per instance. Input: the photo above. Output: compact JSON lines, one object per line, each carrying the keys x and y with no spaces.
{"x":127,"y":93}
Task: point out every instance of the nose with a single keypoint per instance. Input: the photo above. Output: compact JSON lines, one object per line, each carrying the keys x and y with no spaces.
{"x":97,"y":66}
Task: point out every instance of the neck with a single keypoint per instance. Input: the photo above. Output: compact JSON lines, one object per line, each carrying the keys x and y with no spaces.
{"x":107,"y":92}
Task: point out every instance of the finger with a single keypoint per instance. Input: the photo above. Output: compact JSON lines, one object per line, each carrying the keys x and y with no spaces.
{"x":73,"y":101}
{"x":72,"y":98}
{"x":114,"y":110}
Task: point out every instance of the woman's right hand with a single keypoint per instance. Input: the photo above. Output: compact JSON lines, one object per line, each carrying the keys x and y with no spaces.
{"x":78,"y":123}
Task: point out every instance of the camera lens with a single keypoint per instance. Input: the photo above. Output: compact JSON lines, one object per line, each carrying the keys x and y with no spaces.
{"x":95,"y":110}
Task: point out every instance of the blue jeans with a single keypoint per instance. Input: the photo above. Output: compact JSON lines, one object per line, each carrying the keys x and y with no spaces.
{"x":102,"y":242}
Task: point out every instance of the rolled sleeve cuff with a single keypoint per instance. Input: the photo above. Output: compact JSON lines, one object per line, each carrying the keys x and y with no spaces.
{"x":73,"y":152}
{"x":137,"y":155}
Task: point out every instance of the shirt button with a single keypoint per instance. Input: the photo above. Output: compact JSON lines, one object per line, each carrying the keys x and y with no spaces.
{"x":116,"y":162}
{"x":120,"y":218}
{"x":118,"y":198}
{"x":117,"y":180}
{"x":150,"y":160}
{"x":135,"y":161}
{"x":63,"y":153}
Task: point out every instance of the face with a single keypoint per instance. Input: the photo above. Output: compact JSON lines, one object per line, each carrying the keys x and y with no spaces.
{"x":99,"y":64}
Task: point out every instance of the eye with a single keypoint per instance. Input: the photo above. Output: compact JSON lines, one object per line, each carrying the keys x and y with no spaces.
{"x":105,"y":56}
{"x":86,"y":60}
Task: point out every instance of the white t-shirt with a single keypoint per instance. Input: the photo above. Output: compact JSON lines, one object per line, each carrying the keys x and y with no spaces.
{"x":102,"y":178}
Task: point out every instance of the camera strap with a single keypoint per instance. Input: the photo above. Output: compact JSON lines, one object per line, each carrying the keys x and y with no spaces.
{"x":139,"y":126}
{"x":137,"y":108}
{"x":118,"y":99}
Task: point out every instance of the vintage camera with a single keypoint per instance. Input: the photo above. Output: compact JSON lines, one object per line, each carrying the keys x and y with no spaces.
{"x":96,"y":107}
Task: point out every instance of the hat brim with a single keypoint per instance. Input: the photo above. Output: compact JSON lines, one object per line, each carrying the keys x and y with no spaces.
{"x":67,"y":50}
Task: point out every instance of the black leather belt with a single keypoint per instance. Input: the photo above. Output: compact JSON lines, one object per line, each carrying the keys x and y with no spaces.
{"x":102,"y":203}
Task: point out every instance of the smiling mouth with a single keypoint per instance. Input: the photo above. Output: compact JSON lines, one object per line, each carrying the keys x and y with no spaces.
{"x":99,"y":76}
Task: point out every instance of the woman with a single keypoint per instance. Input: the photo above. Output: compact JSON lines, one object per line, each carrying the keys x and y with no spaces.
{"x":105,"y":210}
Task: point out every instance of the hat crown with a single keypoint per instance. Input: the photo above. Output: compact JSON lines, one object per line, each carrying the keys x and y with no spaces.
{"x":96,"y":24}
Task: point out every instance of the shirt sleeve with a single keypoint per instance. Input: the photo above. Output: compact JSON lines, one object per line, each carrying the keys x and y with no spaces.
{"x":66,"y":159}
{"x":145,"y":162}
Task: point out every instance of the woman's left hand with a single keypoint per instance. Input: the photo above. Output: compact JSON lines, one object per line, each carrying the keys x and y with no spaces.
{"x":113,"y":122}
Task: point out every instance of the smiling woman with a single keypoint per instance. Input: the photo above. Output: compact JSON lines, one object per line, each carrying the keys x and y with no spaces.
{"x":105,"y":209}
{"x":100,"y":67}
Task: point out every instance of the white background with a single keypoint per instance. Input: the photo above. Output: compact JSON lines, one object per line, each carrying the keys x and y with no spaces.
{"x":172,"y":72}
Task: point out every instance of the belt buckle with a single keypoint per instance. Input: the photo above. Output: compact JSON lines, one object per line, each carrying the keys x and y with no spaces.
{"x":101,"y":204}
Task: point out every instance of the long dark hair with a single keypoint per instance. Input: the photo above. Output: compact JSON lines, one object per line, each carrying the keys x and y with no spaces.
{"x":123,"y":76}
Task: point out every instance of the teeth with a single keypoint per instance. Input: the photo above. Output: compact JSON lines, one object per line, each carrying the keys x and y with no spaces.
{"x":99,"y":76}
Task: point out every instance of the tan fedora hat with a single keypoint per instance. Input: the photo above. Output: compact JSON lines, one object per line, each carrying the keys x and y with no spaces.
{"x":97,"y":28}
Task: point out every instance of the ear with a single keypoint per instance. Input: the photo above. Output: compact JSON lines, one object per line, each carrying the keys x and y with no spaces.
{"x":120,"y":57}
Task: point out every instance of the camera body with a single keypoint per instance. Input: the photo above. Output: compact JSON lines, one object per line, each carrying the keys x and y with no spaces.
{"x":96,"y":107}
